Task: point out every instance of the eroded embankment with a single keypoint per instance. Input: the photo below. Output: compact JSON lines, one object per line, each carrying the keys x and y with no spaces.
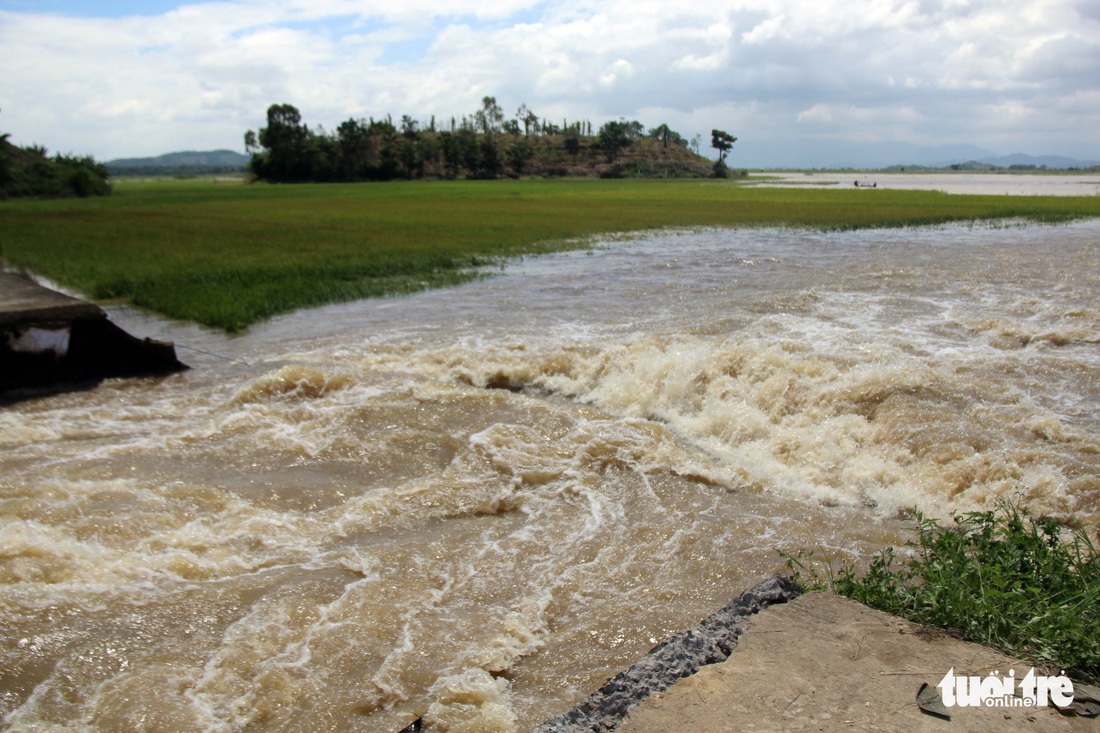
{"x":682,"y":655}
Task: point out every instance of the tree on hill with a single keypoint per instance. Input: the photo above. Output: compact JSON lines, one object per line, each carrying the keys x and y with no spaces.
{"x":489,"y":117}
{"x":518,"y":156}
{"x":721,"y":141}
{"x":529,"y":119}
{"x":354,"y":150}
{"x":573,"y":145}
{"x":613,"y":137}
{"x":285,"y":140}
{"x":28,"y":172}
{"x":666,"y":135}
{"x":287,"y":150}
{"x":489,"y":164}
{"x":5,"y":160}
{"x":662,"y":132}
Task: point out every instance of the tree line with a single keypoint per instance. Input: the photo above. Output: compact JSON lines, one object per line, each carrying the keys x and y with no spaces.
{"x":30,"y":172}
{"x":484,"y":144}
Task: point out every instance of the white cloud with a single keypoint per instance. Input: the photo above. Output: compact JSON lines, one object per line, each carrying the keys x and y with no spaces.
{"x":619,"y":69}
{"x":1023,"y":76}
{"x":819,"y":113}
{"x":765,"y":31}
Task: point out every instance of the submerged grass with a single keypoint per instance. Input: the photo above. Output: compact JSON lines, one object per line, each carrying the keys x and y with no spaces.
{"x":229,"y":256}
{"x":1001,"y":578}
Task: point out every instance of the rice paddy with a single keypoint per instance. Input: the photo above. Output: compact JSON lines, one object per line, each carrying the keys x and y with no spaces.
{"x":231,"y":255}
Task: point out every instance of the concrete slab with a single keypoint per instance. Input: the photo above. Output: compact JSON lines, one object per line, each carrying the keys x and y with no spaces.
{"x":22,"y":301}
{"x":824,"y":663}
{"x":49,"y":340}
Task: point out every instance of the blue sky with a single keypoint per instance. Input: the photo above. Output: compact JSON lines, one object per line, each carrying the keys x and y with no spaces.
{"x":91,"y":8}
{"x":130,"y":78}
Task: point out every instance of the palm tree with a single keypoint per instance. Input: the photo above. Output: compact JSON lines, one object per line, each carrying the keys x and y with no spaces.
{"x":662,"y":133}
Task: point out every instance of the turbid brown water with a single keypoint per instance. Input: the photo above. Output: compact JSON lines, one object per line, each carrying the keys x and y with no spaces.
{"x":477,"y":504}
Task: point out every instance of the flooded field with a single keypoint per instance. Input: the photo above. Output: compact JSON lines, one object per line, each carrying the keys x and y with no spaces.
{"x":1013,"y":184}
{"x":477,"y":504}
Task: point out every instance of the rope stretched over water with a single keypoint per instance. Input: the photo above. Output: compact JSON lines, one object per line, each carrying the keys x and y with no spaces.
{"x":211,"y":353}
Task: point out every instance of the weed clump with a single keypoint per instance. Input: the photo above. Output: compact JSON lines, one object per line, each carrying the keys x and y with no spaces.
{"x":1003,"y":578}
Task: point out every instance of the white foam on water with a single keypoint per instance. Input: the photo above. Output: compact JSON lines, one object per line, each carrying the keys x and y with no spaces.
{"x":471,"y":702}
{"x":477,"y":505}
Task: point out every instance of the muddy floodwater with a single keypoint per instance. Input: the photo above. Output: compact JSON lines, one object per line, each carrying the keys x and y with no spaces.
{"x":477,"y":504}
{"x":1050,"y":184}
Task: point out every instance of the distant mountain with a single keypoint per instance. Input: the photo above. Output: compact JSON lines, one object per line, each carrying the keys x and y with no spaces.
{"x":1049,"y":161}
{"x":186,"y":159}
{"x":856,"y":154}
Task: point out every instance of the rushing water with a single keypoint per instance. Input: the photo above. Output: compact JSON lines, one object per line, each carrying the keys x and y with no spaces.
{"x":477,"y":504}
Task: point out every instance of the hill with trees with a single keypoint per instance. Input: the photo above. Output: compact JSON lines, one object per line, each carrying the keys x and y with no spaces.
{"x":483,"y":145}
{"x":29,"y":172}
{"x":186,"y":163}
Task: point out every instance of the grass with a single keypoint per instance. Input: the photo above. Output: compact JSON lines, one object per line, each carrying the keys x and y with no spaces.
{"x":1001,"y":578}
{"x":229,"y":256}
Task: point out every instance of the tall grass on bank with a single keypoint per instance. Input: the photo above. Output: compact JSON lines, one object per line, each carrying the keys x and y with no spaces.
{"x":1002,"y":578}
{"x":229,"y":256}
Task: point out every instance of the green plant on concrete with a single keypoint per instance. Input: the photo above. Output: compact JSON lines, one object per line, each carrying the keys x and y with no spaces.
{"x":1003,"y":578}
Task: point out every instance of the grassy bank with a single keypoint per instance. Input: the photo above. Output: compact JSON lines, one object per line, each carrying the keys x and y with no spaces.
{"x":232,"y":255}
{"x":1003,"y":578}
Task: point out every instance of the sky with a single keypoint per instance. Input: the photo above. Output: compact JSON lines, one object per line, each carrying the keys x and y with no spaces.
{"x":130,"y":78}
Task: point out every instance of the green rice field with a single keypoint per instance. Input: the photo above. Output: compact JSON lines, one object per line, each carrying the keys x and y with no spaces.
{"x":231,"y":255}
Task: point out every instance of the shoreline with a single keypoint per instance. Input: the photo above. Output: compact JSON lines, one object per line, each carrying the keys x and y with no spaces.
{"x":1054,"y":183}
{"x":777,"y":658}
{"x":710,"y":641}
